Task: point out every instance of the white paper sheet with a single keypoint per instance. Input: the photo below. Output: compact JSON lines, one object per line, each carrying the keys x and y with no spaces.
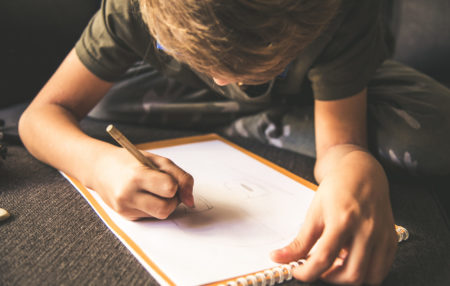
{"x":244,"y":209}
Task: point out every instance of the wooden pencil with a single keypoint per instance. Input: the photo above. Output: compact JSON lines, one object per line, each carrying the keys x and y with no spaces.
{"x":125,"y":143}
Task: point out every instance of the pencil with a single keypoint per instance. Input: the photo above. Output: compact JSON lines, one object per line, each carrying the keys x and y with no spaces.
{"x":125,"y":143}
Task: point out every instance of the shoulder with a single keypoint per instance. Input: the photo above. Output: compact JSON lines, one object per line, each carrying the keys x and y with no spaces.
{"x":354,"y":46}
{"x":124,"y":10}
{"x":124,"y":22}
{"x":115,"y":38}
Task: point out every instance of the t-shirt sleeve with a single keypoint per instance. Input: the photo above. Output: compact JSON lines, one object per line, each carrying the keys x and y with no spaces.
{"x":115,"y":38}
{"x":354,"y":53}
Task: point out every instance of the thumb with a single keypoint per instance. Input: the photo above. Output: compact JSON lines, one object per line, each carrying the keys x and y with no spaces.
{"x":301,"y":245}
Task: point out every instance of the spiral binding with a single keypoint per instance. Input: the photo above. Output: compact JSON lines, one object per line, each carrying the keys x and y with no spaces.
{"x":268,"y":277}
{"x":283,"y":272}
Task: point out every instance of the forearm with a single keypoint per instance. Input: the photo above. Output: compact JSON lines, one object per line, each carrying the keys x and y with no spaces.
{"x":52,"y":134}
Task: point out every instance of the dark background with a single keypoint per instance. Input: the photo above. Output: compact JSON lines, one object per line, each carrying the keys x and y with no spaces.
{"x":35,"y":36}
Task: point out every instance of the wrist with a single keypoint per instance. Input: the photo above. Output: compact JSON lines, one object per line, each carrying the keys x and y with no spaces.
{"x":360,"y":179}
{"x":97,"y":158}
{"x":335,"y":156}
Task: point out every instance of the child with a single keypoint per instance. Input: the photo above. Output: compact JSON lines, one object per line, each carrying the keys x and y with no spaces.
{"x":258,"y":69}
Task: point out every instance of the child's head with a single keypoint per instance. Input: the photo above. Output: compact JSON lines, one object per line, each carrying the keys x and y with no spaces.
{"x":242,"y":40}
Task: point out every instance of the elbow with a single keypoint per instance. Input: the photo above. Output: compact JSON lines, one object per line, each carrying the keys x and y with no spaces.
{"x":24,"y":125}
{"x":27,"y":128}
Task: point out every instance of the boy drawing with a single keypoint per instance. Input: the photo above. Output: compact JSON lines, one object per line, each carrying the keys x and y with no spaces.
{"x":308,"y":76}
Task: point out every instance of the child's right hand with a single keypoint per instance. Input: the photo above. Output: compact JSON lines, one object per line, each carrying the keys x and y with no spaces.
{"x":136,"y":191}
{"x":133,"y":190}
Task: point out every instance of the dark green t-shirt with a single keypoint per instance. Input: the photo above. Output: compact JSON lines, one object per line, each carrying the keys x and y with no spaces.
{"x":339,"y":63}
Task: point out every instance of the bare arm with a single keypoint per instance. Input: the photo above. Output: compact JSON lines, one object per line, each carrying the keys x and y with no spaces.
{"x":341,"y":128}
{"x":351,"y":212}
{"x":49,"y":129}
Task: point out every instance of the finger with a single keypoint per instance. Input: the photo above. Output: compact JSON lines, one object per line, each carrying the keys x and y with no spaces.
{"x":328,"y":247}
{"x":337,"y":264}
{"x":184,"y":180}
{"x":301,"y":245}
{"x":185,"y":183}
{"x":353,"y":270}
{"x":155,"y":182}
{"x":383,"y":258}
{"x":154,"y":206}
{"x":123,"y":205}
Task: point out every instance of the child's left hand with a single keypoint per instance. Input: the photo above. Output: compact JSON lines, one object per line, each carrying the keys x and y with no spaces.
{"x":350,"y":222}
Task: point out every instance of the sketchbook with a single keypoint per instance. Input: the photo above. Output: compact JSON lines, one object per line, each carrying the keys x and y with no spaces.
{"x":246,"y":207}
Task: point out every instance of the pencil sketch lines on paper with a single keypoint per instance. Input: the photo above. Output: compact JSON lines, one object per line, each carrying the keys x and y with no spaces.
{"x":201,"y":205}
{"x":245,"y":188}
{"x":247,"y":185}
{"x":228,"y":223}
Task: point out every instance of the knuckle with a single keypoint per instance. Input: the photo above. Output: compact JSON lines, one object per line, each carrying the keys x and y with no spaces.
{"x":296,"y":245}
{"x":133,"y":179}
{"x":162,"y":215}
{"x":186,"y":180}
{"x":349,"y":218}
{"x":123,"y":211}
{"x":119,"y":203}
{"x":324,"y":260}
{"x":164,"y":209}
{"x":120,"y":210}
{"x":165,"y":161}
{"x":169,"y":187}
